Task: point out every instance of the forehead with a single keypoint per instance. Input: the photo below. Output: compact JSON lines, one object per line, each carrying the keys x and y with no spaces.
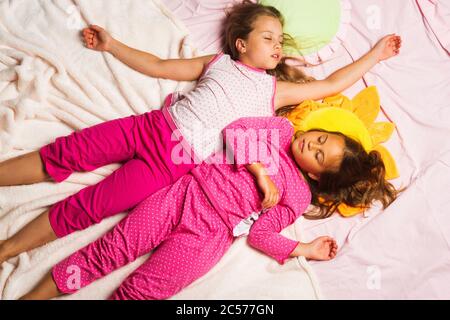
{"x":267,"y":23}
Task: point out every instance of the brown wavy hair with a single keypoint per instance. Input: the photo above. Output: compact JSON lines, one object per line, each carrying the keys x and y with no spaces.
{"x":359,"y":181}
{"x":239,"y":24}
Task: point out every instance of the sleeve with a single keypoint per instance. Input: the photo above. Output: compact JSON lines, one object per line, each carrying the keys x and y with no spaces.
{"x":265,"y":233}
{"x":258,"y":139}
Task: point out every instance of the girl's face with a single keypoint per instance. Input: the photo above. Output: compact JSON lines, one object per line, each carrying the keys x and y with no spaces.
{"x":263,"y":48}
{"x":316,"y":152}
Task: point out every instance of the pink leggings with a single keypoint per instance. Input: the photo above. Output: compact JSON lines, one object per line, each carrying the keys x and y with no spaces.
{"x":142,"y":143}
{"x":179,"y":221}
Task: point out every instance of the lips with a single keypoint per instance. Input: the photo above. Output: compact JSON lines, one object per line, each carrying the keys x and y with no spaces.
{"x":276,"y":56}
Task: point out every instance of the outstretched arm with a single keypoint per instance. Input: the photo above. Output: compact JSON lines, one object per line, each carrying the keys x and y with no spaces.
{"x":265,"y":236}
{"x":289,"y":93}
{"x":96,"y":38}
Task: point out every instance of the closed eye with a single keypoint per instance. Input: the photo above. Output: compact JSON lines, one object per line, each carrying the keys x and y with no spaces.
{"x":319,"y":157}
{"x":322,"y":139}
{"x":281,"y":42}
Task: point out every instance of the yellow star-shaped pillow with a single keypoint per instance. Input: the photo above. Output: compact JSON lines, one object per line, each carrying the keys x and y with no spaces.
{"x":354,"y":118}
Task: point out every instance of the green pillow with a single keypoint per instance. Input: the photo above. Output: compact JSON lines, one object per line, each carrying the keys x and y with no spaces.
{"x":312,"y":23}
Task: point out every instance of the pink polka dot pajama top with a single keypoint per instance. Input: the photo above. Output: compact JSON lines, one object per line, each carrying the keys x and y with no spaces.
{"x":191,"y":223}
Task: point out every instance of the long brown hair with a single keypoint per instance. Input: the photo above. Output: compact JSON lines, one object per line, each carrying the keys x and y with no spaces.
{"x":239,"y":24}
{"x":357,"y":182}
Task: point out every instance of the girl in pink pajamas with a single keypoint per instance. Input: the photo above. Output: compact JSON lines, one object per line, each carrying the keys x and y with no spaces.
{"x":248,"y":79}
{"x":191,"y":224}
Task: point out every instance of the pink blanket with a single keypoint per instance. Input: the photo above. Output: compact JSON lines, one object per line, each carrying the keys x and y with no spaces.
{"x":402,"y":252}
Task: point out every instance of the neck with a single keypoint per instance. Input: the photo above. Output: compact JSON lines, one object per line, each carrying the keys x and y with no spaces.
{"x":244,"y":60}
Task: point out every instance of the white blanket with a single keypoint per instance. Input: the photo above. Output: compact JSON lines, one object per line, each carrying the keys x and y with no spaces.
{"x":50,"y":85}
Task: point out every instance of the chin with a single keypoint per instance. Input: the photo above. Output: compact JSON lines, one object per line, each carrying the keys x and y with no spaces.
{"x":269,"y":65}
{"x":272,"y":66}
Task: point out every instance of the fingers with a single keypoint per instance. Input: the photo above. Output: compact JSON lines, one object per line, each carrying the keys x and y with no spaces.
{"x":270,"y":200}
{"x":333,"y":249}
{"x":392,"y":38}
{"x":89,"y":37}
{"x":397,"y":41}
{"x":325,"y":248}
{"x":88,"y":31}
{"x":265,"y":201}
{"x":394,"y":43}
{"x":398,"y":45}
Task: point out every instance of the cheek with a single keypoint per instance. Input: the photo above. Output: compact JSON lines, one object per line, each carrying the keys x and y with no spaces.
{"x":260,"y":48}
{"x":303,"y":162}
{"x":309,"y":164}
{"x":306,"y":165}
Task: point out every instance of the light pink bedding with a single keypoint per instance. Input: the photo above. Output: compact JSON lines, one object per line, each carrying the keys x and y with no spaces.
{"x":203,"y":18}
{"x":403,"y":252}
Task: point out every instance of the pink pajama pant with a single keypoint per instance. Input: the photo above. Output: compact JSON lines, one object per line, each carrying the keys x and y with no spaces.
{"x":142,"y":143}
{"x":179,"y":221}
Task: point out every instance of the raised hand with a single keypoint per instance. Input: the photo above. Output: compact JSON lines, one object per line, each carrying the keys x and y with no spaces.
{"x":269,"y":190}
{"x":96,"y":38}
{"x":265,"y":185}
{"x":322,"y":248}
{"x":388,"y":47}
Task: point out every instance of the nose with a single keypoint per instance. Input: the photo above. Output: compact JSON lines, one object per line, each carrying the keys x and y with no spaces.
{"x":312,"y":146}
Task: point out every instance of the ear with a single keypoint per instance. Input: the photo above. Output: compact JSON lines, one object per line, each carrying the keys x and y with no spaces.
{"x":313,"y":176}
{"x":240,"y":45}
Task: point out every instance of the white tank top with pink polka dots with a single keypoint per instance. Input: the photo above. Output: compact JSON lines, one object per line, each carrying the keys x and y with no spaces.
{"x":227,"y":90}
